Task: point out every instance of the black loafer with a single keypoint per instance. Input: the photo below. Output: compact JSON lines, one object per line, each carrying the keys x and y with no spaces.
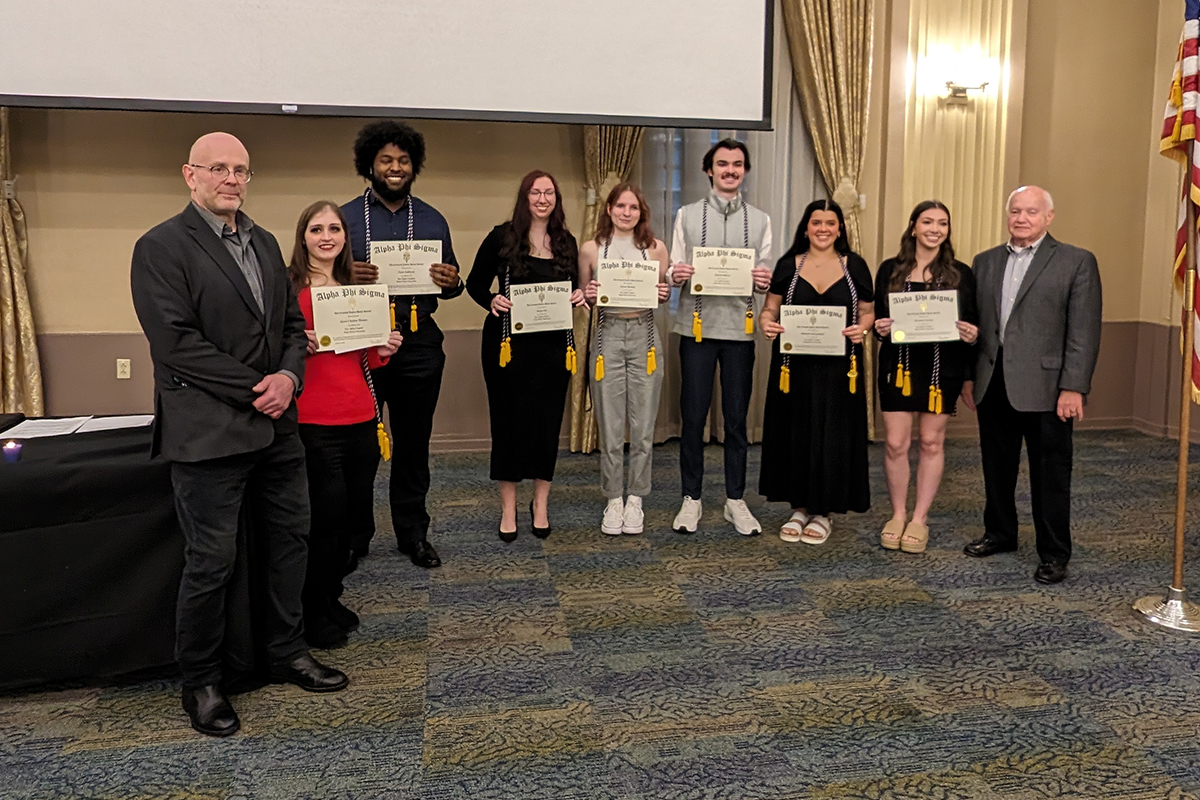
{"x":541,"y":533}
{"x":1050,"y":572}
{"x":424,"y":556}
{"x":982,"y":548}
{"x":310,"y":675}
{"x":209,"y":711}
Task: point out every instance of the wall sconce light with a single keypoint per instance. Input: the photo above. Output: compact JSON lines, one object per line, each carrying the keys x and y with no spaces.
{"x":958,"y":94}
{"x":956,"y":75}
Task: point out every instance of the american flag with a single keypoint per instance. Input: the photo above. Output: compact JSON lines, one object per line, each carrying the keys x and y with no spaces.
{"x":1178,"y":135}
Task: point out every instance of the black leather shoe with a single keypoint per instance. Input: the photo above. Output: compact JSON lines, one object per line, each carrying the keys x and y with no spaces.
{"x":1050,"y":572}
{"x":423,"y":555}
{"x":506,"y":536}
{"x":343,"y":617}
{"x":323,"y":633}
{"x":982,"y":548}
{"x":310,"y":675}
{"x":541,"y":533}
{"x":210,"y":712}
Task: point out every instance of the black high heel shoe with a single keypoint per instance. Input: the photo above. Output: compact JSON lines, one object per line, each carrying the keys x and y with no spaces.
{"x":541,"y":533}
{"x":506,"y":536}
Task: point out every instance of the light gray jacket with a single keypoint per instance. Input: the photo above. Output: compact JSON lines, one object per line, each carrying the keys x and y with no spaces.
{"x":1053,"y":334}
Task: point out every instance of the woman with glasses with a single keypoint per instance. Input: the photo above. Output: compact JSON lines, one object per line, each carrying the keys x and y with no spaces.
{"x":526,"y":375}
{"x":814,"y":451}
{"x":625,"y":376}
{"x":921,"y":379}
{"x":340,"y":428}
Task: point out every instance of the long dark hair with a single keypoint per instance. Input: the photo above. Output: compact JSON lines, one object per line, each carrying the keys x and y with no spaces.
{"x":516,"y":239}
{"x":801,"y":244}
{"x":643,"y":234}
{"x":299,"y":268}
{"x":942,"y":272}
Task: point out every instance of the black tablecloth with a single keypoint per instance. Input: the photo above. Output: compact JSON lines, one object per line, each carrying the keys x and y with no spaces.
{"x":90,"y":558}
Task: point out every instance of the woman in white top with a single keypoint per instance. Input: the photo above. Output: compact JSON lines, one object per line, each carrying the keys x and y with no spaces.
{"x":626,"y":377}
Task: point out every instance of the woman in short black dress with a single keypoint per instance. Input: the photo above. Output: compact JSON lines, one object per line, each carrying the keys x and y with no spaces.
{"x":814,"y":451}
{"x":925,"y":379}
{"x":527,"y":375}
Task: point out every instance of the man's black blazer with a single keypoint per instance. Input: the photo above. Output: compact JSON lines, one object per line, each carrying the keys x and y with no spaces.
{"x":209,"y":342}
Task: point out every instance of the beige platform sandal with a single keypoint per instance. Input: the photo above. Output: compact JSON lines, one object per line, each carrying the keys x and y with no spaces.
{"x":915,"y":538}
{"x":889,"y":537}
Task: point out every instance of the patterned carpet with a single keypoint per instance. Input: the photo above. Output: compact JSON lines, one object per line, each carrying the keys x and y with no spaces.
{"x":712,"y":666}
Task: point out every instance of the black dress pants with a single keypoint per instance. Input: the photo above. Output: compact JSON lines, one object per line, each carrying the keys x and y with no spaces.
{"x":698,"y":365}
{"x":341,"y":463}
{"x":209,"y":499}
{"x":409,"y":384}
{"x":1050,"y":448}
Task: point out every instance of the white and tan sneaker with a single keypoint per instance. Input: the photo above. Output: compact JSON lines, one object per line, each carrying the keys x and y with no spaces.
{"x":688,"y":518}
{"x":635,"y":518}
{"x":614,"y":516}
{"x":745,"y":523}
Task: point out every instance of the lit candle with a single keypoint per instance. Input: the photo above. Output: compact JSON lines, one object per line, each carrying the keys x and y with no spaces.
{"x":12,"y":451}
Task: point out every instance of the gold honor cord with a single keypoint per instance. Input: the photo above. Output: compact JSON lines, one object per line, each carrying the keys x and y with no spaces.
{"x":651,"y":359}
{"x":385,"y":443}
{"x":697,"y":321}
{"x":412,"y":311}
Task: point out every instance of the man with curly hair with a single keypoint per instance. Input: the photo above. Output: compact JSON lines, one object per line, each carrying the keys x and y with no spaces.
{"x":389,"y":156}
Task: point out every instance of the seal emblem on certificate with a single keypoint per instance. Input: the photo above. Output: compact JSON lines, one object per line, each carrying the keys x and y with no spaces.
{"x":922,"y":317}
{"x":351,"y":317}
{"x":540,"y":307}
{"x":627,"y":284}
{"x":812,"y":330}
{"x":723,"y":271}
{"x":404,"y":264}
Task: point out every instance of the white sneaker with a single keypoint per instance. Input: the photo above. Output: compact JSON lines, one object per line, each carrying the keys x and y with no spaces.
{"x":634,"y":518}
{"x":737,"y":513}
{"x":614,"y":514}
{"x":688,"y":517}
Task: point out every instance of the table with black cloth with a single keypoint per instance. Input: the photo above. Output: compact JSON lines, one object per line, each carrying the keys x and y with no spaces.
{"x":90,"y":559}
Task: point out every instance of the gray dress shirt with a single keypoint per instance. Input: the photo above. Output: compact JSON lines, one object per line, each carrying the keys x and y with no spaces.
{"x":1019,"y":259}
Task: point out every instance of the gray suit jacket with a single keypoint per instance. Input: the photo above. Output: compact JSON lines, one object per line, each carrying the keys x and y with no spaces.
{"x":1053,"y":334}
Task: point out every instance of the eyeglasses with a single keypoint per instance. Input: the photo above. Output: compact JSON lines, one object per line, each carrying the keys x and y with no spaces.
{"x":535,"y":194}
{"x":220,"y":172}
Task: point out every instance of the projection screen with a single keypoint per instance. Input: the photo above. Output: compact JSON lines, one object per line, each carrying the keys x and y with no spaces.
{"x":648,"y":62}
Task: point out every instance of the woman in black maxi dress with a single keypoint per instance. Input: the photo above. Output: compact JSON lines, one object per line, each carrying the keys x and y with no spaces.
{"x":527,"y":394}
{"x":814,"y":451}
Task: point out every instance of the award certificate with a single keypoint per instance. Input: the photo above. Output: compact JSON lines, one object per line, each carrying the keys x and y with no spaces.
{"x":723,"y":271}
{"x":812,"y":330}
{"x":351,"y":317}
{"x":404,"y":264}
{"x":538,"y":307}
{"x":627,"y":284}
{"x":919,"y":317}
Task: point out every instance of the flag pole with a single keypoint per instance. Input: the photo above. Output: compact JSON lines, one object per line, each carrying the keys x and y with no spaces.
{"x":1174,"y":611}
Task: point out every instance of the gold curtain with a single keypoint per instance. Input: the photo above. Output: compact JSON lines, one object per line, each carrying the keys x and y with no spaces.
{"x":608,"y":155}
{"x":20,"y":371}
{"x":830,"y":42}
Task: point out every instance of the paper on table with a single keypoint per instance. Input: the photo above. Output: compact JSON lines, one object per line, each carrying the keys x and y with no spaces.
{"x":116,"y":423}
{"x":37,"y":428}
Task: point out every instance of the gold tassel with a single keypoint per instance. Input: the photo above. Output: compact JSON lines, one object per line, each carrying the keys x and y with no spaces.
{"x":899,"y":376}
{"x":651,"y":361}
{"x":392,"y":311}
{"x":853,"y":374}
{"x":600,"y":367}
{"x":385,"y":444}
{"x":785,"y":379}
{"x":907,"y":390}
{"x":412,"y":317}
{"x":571,"y":361}
{"x":932,"y":398}
{"x":697,"y":326}
{"x":506,"y":351}
{"x":749,"y":322}
{"x":938,"y":410}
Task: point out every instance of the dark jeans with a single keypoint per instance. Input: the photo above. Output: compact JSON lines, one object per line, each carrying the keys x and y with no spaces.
{"x":410,"y":384}
{"x":341,"y":461}
{"x":1050,"y":447}
{"x":209,"y":498}
{"x":698,"y":365}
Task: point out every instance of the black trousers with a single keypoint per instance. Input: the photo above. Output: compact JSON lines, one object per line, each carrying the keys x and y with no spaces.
{"x":698,"y":365}
{"x":209,"y":499}
{"x":341,"y":463}
{"x":409,"y":384}
{"x":1049,"y":445}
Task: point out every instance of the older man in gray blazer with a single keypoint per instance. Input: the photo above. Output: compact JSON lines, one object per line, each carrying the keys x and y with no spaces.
{"x":1039,"y":335}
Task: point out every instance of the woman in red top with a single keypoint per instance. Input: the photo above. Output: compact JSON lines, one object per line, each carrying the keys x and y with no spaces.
{"x":338,"y":417}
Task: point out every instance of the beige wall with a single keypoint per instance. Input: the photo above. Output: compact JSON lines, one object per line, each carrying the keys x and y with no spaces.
{"x":91,"y":182}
